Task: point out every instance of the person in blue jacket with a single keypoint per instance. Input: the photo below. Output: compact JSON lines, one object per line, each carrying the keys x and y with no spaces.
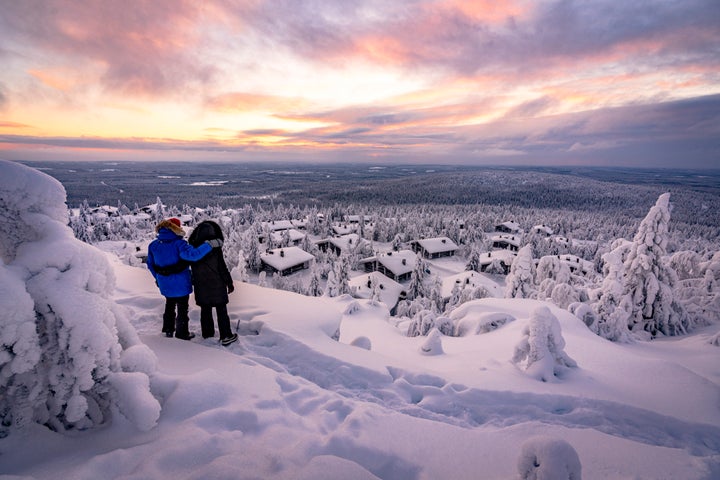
{"x":169,"y":257}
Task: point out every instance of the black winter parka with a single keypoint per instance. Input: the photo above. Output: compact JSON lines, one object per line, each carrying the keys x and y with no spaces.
{"x":210,"y":276}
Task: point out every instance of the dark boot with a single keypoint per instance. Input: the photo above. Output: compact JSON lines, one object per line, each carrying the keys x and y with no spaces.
{"x":206,"y":322}
{"x":182,"y":320}
{"x":169,"y":317}
{"x":223,"y":320}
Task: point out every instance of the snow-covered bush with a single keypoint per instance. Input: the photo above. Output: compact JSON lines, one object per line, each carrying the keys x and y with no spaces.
{"x":612,"y":307}
{"x":546,"y":458}
{"x":433,"y":344}
{"x":425,"y":320}
{"x":541,"y":350}
{"x":564,"y":294}
{"x":66,"y":346}
{"x":362,"y":342}
{"x":520,"y":279}
{"x":584,"y":312}
{"x":478,"y":324}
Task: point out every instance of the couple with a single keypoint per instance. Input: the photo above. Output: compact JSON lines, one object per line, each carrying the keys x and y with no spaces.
{"x":169,"y":260}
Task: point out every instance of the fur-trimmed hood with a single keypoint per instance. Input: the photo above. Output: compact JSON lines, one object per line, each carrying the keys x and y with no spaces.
{"x":172,"y":224}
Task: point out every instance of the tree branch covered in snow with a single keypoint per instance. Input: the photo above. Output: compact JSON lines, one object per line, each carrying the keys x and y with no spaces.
{"x":64,"y":340}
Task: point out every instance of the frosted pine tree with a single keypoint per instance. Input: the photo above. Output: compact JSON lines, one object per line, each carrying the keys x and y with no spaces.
{"x":649,"y":282}
{"x":341,"y":269}
{"x":69,"y":357}
{"x":612,"y":307}
{"x":159,"y":211}
{"x":474,"y":261}
{"x":240,"y":272}
{"x":314,"y":288}
{"x":541,"y":352}
{"x":417,"y":288}
{"x":551,"y":271}
{"x":520,"y":280}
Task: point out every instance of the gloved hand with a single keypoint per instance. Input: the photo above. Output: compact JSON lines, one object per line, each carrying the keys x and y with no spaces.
{"x":215,"y":242}
{"x":231,"y":288}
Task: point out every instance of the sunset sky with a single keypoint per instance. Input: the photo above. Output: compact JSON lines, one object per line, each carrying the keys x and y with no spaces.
{"x":588,"y":82}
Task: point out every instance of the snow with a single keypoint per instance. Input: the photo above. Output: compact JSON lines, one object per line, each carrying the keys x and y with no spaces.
{"x":399,"y":263}
{"x":329,"y":388}
{"x":437,"y":245}
{"x":284,"y":258}
{"x":389,"y":291}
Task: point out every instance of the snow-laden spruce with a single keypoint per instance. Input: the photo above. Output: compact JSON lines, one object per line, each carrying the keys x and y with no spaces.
{"x":519,"y":283}
{"x":637,"y":294}
{"x":541,"y":352}
{"x":69,"y":355}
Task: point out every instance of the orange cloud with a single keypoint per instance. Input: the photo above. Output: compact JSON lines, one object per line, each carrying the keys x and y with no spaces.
{"x":489,"y":11}
{"x":243,"y":101}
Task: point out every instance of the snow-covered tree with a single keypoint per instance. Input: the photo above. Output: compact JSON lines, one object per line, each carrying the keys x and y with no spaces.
{"x":649,"y":282}
{"x":686,"y":264}
{"x":158,"y":213}
{"x":240,"y":272}
{"x":314,"y":287}
{"x":339,"y":277}
{"x":541,"y":351}
{"x":68,"y":355}
{"x":612,"y":307}
{"x":520,"y":280}
{"x":417,"y":287}
{"x":426,"y":320}
{"x":473,"y":262}
{"x":433,"y":344}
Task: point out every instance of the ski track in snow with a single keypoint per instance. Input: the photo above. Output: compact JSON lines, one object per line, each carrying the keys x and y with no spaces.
{"x":431,"y":397}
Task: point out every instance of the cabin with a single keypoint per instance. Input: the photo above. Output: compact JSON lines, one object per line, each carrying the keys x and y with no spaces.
{"x":578,"y":266}
{"x":506,"y":242}
{"x":395,"y":265}
{"x":542,"y":230}
{"x":508,"y":227}
{"x":294,"y":237}
{"x":285,"y":261}
{"x":356,"y":219}
{"x":344,"y":228}
{"x":341,"y":243}
{"x":497,"y":260}
{"x":390,"y":292}
{"x":434,"y":247}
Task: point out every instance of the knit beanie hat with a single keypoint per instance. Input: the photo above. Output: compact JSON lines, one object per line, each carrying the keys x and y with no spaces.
{"x":172,"y":224}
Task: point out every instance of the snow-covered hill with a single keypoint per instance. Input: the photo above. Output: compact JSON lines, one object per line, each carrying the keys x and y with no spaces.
{"x":331,"y":388}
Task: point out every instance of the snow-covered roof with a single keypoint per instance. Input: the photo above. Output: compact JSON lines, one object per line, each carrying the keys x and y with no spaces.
{"x":283,"y":258}
{"x":543,"y":229}
{"x":357,"y":218}
{"x":508,"y":238}
{"x":400,"y":262}
{"x":295,"y":236}
{"x":505,"y":255}
{"x":437,"y":245}
{"x":468,"y":278}
{"x":344,"y":229}
{"x":276,"y":225}
{"x":389,"y":289}
{"x":510,"y":225}
{"x":575,"y":262}
{"x":346,"y":242}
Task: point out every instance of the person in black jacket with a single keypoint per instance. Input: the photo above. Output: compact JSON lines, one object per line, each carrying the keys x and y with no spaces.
{"x":212,"y":283}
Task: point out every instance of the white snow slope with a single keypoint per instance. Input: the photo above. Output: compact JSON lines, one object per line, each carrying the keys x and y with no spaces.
{"x":290,"y":402}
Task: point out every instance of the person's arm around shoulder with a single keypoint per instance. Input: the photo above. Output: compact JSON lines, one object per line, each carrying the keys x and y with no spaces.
{"x":192,"y":254}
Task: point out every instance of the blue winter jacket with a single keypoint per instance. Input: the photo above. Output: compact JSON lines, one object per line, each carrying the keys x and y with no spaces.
{"x":167,"y":250}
